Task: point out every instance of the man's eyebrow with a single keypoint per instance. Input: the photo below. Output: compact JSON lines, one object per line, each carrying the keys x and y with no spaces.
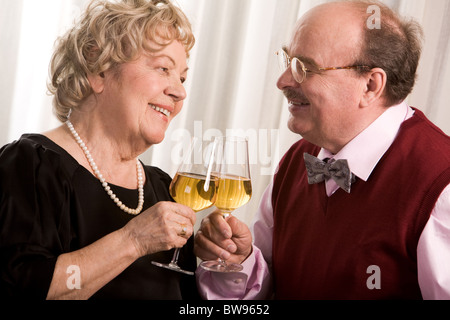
{"x":306,"y":60}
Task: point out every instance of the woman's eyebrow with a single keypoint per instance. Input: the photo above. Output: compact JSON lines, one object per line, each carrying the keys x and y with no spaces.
{"x":171,"y":60}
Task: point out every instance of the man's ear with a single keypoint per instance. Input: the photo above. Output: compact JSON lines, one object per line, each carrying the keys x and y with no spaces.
{"x":374,"y":87}
{"x":97,"y":82}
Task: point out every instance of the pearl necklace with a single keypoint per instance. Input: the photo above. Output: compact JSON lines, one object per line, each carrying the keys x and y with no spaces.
{"x":103,"y":181}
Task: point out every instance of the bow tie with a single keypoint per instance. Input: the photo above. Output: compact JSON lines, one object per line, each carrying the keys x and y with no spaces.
{"x":319,"y":171}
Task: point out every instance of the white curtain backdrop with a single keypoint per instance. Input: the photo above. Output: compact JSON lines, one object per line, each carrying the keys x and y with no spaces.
{"x":232,"y":79}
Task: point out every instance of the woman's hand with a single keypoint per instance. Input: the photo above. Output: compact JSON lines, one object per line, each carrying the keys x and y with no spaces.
{"x":160,"y":228}
{"x":165,"y":226}
{"x":229,"y":239}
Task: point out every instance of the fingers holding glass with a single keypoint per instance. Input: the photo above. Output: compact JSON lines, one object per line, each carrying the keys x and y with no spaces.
{"x":193,"y":186}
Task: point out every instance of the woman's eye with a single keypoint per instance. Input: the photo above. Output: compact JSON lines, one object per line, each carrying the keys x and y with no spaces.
{"x":183,"y":80}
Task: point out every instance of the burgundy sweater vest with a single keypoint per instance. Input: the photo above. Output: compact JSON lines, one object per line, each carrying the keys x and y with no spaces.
{"x":325,"y":248}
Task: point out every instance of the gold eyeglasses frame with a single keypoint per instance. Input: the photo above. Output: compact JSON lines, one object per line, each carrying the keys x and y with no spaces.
{"x":285,"y":61}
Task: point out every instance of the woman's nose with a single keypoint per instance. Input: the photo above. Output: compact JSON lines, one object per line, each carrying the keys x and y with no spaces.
{"x":176,"y":91}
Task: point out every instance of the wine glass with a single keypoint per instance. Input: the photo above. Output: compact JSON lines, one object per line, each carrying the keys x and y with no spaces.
{"x":235,"y":187}
{"x":194,"y":186}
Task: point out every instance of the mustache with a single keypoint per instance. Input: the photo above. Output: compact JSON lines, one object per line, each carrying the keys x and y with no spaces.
{"x":294,"y":95}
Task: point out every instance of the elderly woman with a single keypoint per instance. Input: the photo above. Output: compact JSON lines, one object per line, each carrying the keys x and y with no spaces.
{"x":80,"y":216}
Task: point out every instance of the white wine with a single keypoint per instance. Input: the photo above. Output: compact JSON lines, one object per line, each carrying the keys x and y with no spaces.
{"x":189,"y":189}
{"x":234,"y":192}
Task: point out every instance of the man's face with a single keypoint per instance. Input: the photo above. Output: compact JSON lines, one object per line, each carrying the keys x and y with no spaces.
{"x":325,"y":107}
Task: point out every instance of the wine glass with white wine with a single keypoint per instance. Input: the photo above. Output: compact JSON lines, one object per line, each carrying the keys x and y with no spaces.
{"x":194,"y":186}
{"x":235,"y":187}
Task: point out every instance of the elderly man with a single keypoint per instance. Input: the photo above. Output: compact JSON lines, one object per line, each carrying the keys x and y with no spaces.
{"x":360,"y":207}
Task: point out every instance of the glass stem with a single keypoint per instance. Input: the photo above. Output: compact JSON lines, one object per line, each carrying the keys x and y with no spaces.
{"x":223,"y":262}
{"x":225,"y":215}
{"x":176,"y":254}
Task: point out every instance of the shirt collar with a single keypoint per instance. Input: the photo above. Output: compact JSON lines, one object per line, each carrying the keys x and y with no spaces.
{"x":365,"y":151}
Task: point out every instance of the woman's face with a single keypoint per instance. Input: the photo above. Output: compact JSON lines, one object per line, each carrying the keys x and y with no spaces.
{"x":141,"y":98}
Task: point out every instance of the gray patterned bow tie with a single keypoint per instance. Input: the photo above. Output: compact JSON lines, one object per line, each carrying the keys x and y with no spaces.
{"x":319,"y":171}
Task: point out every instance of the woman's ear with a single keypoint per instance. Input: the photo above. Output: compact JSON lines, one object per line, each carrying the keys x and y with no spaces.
{"x":97,"y":82}
{"x":374,"y":87}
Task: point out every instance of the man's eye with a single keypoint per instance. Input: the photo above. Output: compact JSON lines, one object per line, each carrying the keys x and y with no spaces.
{"x":183,"y":80}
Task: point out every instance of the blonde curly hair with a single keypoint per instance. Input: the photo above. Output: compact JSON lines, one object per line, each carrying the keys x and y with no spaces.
{"x":108,"y":34}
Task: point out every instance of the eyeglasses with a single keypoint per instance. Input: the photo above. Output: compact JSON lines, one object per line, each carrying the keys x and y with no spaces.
{"x":299,"y":70}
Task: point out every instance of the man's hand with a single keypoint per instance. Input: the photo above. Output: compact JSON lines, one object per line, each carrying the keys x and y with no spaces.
{"x":229,"y":239}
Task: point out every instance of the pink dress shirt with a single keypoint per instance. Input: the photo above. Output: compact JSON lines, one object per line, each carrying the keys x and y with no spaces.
{"x":363,"y":154}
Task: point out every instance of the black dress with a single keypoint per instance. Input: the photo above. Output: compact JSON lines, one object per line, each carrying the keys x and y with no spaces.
{"x":50,"y":205}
